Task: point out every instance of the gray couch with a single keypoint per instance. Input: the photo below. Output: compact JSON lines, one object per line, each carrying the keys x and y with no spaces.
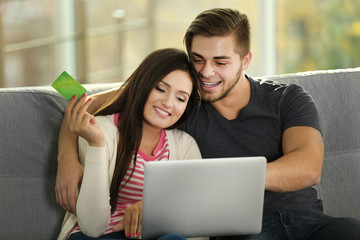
{"x":29,"y":123}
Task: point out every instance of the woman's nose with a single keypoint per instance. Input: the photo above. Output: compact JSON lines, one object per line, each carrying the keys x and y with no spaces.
{"x":167,"y":101}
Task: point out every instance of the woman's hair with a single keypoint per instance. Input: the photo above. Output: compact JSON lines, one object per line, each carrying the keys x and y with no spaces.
{"x":221,"y":22}
{"x":130,"y":100}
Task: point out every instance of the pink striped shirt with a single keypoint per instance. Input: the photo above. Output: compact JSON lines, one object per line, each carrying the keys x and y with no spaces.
{"x":132,"y":192}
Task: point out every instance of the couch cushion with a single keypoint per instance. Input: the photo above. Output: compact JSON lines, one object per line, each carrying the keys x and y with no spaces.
{"x":30,"y":124}
{"x":337,"y":96}
{"x":30,"y":120}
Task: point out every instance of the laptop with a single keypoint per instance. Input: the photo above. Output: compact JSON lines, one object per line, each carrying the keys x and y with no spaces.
{"x":204,"y":197}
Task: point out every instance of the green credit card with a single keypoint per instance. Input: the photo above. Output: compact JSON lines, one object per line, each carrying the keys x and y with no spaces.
{"x":68,"y":86}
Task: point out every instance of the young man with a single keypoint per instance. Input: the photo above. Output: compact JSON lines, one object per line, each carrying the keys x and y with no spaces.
{"x":240,"y":116}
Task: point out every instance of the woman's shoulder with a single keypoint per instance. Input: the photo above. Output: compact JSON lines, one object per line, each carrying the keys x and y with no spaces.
{"x":106,"y":120}
{"x":179,"y":135}
{"x":107,"y":125}
{"x":182,"y":145}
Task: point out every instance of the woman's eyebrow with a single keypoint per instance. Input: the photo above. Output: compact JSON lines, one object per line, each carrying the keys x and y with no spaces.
{"x":184,"y":92}
{"x":165,"y":83}
{"x":169,"y":86}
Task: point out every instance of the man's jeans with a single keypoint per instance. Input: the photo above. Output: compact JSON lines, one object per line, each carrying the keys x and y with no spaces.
{"x":302,"y":225}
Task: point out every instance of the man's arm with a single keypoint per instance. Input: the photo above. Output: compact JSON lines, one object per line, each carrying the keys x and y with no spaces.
{"x":70,"y":171}
{"x":300,"y":167}
{"x":100,"y":98}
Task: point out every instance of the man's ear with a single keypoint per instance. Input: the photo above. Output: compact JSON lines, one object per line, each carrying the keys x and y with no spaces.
{"x":246,"y":61}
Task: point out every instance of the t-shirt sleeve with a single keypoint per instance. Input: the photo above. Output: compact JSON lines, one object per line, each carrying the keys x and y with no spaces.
{"x":298,"y":108}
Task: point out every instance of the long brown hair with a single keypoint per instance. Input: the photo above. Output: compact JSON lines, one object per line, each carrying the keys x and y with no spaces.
{"x":130,"y":101}
{"x":221,"y":22}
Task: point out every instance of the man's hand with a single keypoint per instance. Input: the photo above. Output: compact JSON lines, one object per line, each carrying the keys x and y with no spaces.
{"x":132,"y":221}
{"x":68,"y":177}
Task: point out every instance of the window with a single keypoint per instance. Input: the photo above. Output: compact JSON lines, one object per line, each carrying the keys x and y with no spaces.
{"x":104,"y":41}
{"x":312,"y":35}
{"x":26,"y":32}
{"x":95,"y":41}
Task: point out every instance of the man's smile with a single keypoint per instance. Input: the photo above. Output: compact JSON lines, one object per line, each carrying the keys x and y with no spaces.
{"x":210,"y":84}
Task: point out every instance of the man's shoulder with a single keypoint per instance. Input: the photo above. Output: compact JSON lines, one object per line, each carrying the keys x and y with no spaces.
{"x":269,"y":85}
{"x":264,"y":88}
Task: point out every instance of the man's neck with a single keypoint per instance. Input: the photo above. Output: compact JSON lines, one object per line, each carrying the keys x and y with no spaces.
{"x":239,"y":97}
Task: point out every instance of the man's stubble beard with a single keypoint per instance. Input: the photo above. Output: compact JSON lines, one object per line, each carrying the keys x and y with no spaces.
{"x":226,"y":92}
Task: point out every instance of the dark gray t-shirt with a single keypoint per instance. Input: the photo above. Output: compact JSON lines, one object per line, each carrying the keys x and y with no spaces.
{"x":257,"y":131}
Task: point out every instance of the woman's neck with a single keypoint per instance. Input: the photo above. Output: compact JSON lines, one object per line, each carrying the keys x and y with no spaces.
{"x":149,"y":140}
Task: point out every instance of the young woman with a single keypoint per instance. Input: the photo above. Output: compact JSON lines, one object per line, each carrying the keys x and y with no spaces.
{"x":137,"y":125}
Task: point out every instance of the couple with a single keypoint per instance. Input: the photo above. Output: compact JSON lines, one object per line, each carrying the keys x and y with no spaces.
{"x":238,"y":116}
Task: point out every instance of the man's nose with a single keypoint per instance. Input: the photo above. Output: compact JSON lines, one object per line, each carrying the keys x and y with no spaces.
{"x":207,"y":70}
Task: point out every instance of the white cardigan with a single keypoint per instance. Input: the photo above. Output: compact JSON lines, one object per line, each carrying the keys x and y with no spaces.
{"x":99,"y":165}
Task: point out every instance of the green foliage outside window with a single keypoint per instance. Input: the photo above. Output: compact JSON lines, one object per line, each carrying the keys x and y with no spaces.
{"x":318,"y":34}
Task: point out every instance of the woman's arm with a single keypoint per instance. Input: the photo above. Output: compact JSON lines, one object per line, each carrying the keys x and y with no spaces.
{"x":93,"y":206}
{"x":70,"y":171}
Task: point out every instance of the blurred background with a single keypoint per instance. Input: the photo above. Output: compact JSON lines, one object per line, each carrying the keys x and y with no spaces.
{"x":104,"y":40}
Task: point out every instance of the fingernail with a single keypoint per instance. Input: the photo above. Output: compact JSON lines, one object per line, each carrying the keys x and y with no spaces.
{"x":128,"y":234}
{"x":74,"y":97}
{"x":139,"y":234}
{"x":84,"y":95}
{"x":133,"y":234}
{"x":89,"y":99}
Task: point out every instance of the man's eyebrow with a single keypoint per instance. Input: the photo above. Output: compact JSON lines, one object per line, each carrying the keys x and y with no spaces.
{"x":216,"y":58}
{"x":222,"y":57}
{"x":197,"y":55}
{"x":169,"y":86}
